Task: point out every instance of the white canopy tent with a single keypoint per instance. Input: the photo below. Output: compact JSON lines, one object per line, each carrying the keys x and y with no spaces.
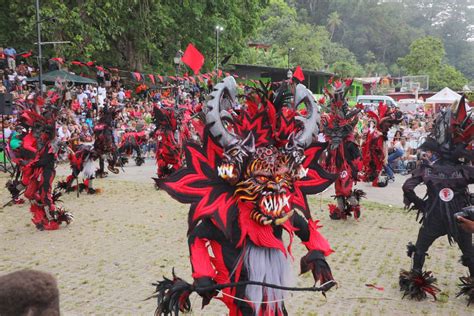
{"x":445,"y":96}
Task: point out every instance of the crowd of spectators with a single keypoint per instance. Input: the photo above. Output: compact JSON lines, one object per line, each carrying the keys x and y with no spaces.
{"x":83,"y":103}
{"x":404,"y":140}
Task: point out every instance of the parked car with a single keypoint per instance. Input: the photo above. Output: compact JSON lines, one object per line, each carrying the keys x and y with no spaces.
{"x":371,"y":102}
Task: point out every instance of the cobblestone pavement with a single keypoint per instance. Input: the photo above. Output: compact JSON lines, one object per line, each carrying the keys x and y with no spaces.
{"x":131,"y":235}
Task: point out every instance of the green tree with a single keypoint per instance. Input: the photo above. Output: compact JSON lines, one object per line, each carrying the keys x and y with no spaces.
{"x":334,"y":21}
{"x":133,"y":34}
{"x":282,"y":28}
{"x":427,"y":57}
{"x":448,"y":76}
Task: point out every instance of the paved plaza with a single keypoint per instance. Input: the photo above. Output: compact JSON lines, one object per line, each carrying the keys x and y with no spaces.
{"x":131,"y":235}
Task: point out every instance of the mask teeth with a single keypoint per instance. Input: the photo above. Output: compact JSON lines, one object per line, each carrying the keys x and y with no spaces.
{"x":276,"y":205}
{"x":225,"y":170}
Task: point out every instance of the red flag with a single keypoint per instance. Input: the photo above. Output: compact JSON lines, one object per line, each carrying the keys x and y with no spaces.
{"x":77,"y":63}
{"x":299,"y":74}
{"x":193,"y":58}
{"x":90,"y":64}
{"x":152,"y":78}
{"x":172,"y":78}
{"x":137,"y":76}
{"x":99,"y":68}
{"x":26,"y":55}
{"x":59,"y":60}
{"x":160,"y":77}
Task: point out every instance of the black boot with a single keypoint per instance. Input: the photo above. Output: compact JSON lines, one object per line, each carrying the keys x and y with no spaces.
{"x":415,"y":283}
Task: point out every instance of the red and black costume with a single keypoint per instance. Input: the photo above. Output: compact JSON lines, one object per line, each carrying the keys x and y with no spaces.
{"x":104,"y":144}
{"x":168,"y":149}
{"x":343,"y":154}
{"x":247,"y":185}
{"x":374,"y":148}
{"x":446,"y":179}
{"x":132,"y":141}
{"x":38,"y":156}
{"x":82,"y":160}
{"x":20,"y":157}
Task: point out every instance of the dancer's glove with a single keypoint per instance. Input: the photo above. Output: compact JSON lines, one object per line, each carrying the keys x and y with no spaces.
{"x":316,"y":262}
{"x":207,"y":295}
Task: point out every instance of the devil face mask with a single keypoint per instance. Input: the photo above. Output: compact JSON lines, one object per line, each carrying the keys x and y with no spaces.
{"x":268,"y":185}
{"x":261,"y":159}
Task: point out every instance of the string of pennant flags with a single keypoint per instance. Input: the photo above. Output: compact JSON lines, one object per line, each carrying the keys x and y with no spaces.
{"x":192,"y":57}
{"x":143,"y":77}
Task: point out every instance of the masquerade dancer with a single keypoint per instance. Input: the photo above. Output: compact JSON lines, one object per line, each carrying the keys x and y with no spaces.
{"x":343,"y":154}
{"x":446,"y":179}
{"x":247,"y":185}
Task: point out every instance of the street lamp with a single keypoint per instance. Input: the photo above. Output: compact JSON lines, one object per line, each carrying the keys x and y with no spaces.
{"x":40,"y":44}
{"x":218,"y":30}
{"x":289,"y":52}
{"x":177,"y":60}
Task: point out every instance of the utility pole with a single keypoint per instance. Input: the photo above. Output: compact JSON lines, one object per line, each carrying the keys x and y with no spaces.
{"x":289,"y":52}
{"x":218,"y":30}
{"x":40,"y":57}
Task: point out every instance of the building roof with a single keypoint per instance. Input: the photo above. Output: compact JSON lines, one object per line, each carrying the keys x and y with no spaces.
{"x":271,"y":69}
{"x":64,"y":75}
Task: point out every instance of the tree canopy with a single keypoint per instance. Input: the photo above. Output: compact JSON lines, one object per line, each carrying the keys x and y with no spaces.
{"x":349,"y":38}
{"x":427,"y":57}
{"x":136,"y":34}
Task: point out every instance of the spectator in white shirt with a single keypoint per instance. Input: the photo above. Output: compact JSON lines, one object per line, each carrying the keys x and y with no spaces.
{"x":121,"y":95}
{"x":81,"y":96}
{"x":101,"y":95}
{"x":63,"y":133}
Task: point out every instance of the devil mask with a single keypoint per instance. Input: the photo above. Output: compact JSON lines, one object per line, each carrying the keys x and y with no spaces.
{"x":261,"y":159}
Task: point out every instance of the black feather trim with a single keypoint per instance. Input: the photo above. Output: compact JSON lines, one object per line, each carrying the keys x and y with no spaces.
{"x":416,"y":285}
{"x":172,"y":296}
{"x":467,"y":289}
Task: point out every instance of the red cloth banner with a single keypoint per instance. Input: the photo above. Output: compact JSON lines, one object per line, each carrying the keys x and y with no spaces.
{"x":193,"y":58}
{"x":152,"y":78}
{"x":299,"y":74}
{"x":137,"y":76}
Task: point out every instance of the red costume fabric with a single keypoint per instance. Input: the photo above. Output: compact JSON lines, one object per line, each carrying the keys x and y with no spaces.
{"x":247,"y":185}
{"x":373,"y":147}
{"x":104,"y":144}
{"x":82,"y":160}
{"x":36,"y":164}
{"x":343,"y":154}
{"x":168,"y":149}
